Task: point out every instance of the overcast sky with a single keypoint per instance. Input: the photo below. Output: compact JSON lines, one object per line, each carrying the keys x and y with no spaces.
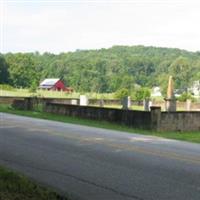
{"x":61,"y":26}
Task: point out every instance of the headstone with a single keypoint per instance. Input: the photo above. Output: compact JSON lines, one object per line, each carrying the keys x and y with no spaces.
{"x":170,"y":101}
{"x":101,"y":103}
{"x":74,"y":102}
{"x":146,"y":104}
{"x":150,"y":105}
{"x":83,"y":100}
{"x":126,"y":103}
{"x":188,"y":104}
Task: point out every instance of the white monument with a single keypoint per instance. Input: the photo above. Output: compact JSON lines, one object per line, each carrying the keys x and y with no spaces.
{"x":83,"y":100}
{"x":126,"y":103}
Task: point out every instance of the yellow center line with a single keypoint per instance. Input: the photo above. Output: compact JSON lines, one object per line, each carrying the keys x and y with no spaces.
{"x":169,"y":155}
{"x":132,"y":147}
{"x":110,"y":143}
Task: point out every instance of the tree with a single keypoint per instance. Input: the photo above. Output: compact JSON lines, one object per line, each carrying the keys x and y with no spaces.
{"x":104,"y":70}
{"x":33,"y":87}
{"x":185,"y":96}
{"x":4,"y":75}
{"x":181,"y":71}
{"x":22,"y":69}
{"x":142,"y":93}
{"x":121,"y":93}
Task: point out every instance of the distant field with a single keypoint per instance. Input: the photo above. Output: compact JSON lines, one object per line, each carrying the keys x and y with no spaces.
{"x":59,"y":94}
{"x":53,"y":94}
{"x":39,"y":93}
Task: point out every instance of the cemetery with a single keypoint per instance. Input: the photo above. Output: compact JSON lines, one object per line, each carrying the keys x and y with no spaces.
{"x":158,"y":116}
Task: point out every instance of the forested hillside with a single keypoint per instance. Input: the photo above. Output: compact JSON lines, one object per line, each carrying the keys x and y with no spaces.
{"x":104,"y":70}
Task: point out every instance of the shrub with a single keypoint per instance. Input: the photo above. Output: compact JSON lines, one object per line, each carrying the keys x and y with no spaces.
{"x":184,"y":96}
{"x":141,"y":94}
{"x":121,"y":93}
{"x":33,"y":87}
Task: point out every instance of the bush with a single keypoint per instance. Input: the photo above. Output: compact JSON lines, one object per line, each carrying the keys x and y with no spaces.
{"x":184,"y":96}
{"x":141,"y":94}
{"x":33,"y":87}
{"x":121,"y":93}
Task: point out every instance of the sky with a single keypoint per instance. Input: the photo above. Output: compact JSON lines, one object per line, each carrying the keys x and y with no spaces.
{"x":63,"y":25}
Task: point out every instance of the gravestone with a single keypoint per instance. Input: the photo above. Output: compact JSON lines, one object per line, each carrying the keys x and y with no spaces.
{"x":126,"y":103}
{"x":101,"y":103}
{"x":83,"y":100}
{"x":188,"y":104}
{"x":150,"y":104}
{"x":74,"y":102}
{"x":146,"y":104}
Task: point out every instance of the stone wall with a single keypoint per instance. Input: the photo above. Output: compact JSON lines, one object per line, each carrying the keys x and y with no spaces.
{"x":9,"y":100}
{"x":136,"y":119}
{"x":179,"y":121}
{"x":195,"y":106}
{"x":153,"y":120}
{"x":23,"y":104}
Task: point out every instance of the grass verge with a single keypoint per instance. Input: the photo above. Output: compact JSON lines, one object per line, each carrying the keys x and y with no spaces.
{"x":17,"y":187}
{"x":185,"y":136}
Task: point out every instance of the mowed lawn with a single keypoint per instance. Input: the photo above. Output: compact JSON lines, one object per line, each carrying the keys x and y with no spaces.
{"x":52,"y":94}
{"x":185,"y":136}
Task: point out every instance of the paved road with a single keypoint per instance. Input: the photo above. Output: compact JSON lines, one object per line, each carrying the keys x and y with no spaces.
{"x":98,"y":164}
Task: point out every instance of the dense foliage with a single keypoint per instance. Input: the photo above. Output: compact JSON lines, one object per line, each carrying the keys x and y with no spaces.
{"x":104,"y":70}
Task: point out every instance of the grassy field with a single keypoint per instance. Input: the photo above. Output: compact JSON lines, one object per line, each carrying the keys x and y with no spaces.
{"x":133,"y":107}
{"x":17,"y":187}
{"x":52,"y":94}
{"x":185,"y":136}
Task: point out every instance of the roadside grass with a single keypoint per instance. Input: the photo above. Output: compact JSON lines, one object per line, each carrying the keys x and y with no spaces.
{"x":17,"y":187}
{"x":185,"y":136}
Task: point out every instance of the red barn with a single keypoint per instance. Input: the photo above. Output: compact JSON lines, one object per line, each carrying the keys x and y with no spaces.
{"x":54,"y":84}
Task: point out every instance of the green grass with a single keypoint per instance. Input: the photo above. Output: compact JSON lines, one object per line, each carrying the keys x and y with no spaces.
{"x":185,"y":136}
{"x":133,"y":107}
{"x":39,"y":93}
{"x":17,"y":187}
{"x":52,"y":94}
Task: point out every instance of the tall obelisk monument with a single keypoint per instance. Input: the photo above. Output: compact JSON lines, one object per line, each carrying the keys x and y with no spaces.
{"x":170,"y":101}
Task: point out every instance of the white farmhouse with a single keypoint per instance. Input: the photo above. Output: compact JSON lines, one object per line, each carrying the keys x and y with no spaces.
{"x":195,"y":89}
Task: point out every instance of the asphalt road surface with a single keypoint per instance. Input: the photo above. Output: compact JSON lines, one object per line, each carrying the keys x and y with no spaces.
{"x":97,"y":164}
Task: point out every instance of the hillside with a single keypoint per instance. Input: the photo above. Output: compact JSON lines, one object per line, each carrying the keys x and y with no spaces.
{"x":103,"y":70}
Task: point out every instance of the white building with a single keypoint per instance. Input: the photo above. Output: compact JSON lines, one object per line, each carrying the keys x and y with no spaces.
{"x":195,"y":89}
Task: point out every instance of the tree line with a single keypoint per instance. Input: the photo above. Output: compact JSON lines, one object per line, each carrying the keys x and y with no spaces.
{"x":103,"y":70}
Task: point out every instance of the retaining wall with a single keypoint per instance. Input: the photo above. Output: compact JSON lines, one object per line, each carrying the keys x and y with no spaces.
{"x":156,"y":120}
{"x":9,"y":100}
{"x":137,"y":119}
{"x":153,"y":120}
{"x":179,"y":121}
